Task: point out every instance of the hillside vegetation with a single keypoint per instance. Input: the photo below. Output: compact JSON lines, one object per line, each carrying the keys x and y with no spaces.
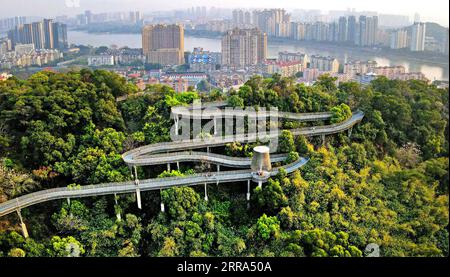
{"x":386,"y":184}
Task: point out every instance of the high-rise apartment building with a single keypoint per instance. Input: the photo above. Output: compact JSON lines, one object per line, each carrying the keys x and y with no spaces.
{"x":417,"y":37}
{"x":163,"y":44}
{"x":274,"y":22}
{"x":238,"y":17}
{"x":343,"y":29}
{"x":38,"y":35}
{"x":351,"y":30}
{"x":45,"y":34}
{"x":244,"y":47}
{"x":241,"y":17}
{"x":368,"y":29}
{"x":10,"y":23}
{"x":399,"y":39}
{"x":298,"y":30}
{"x":247,"y":18}
{"x":49,"y":40}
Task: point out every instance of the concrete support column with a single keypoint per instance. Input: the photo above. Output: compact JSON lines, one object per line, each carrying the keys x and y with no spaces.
{"x":206,"y":193}
{"x":119,"y":217}
{"x":131,"y":170}
{"x":350,"y":132}
{"x":168,"y":167}
{"x":260,"y":184}
{"x":207,"y":149}
{"x":323,"y":139}
{"x":218,"y":168}
{"x":178,"y":166}
{"x":215,"y":126}
{"x":176,"y":125}
{"x":162,"y":203}
{"x":68,"y":204}
{"x":248,"y":190}
{"x":138,"y":198}
{"x":138,"y":191}
{"x":22,"y":224}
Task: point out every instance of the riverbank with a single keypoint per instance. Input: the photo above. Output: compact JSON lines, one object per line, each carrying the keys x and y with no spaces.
{"x":418,"y":57}
{"x":425,"y":57}
{"x":433,"y":70}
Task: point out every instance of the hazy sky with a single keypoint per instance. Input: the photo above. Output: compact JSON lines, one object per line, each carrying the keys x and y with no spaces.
{"x":430,"y":10}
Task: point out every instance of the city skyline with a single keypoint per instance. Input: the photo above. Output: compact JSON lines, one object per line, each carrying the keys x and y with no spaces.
{"x":434,"y":11}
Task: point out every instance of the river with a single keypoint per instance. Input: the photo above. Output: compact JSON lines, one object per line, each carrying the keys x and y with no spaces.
{"x":432,"y":71}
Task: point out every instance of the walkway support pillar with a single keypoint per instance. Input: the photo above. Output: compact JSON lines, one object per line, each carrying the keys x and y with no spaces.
{"x":22,"y":224}
{"x":168,"y":167}
{"x":350,"y":132}
{"x":260,"y":184}
{"x":215,"y":126}
{"x":119,"y":217}
{"x":323,"y":140}
{"x":68,"y":201}
{"x":218,"y":168}
{"x":176,"y":125}
{"x":162,"y":203}
{"x":178,"y":166}
{"x":206,"y":193}
{"x":138,"y":191}
{"x":248,"y":190}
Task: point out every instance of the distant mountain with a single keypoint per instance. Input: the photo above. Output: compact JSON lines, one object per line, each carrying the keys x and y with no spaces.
{"x":437,"y":31}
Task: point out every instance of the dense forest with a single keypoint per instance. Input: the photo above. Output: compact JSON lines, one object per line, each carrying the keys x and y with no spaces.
{"x":387,"y":183}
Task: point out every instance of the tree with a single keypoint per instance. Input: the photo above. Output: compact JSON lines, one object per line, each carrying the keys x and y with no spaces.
{"x":14,"y":183}
{"x":235,"y":101}
{"x":340,"y":113}
{"x":169,"y":248}
{"x":72,"y":218}
{"x":16,"y":252}
{"x":268,"y":227}
{"x":326,"y":82}
{"x":181,"y":202}
{"x":287,"y":217}
{"x":93,"y":166}
{"x":271,"y":197}
{"x":65,"y":247}
{"x":203,"y":86}
{"x":302,"y":145}
{"x":292,"y":157}
{"x":286,"y":142}
{"x":156,"y":128}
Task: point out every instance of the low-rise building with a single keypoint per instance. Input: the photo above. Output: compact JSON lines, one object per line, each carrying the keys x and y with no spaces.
{"x":411,"y":76}
{"x":310,"y":75}
{"x":178,"y":84}
{"x":204,"y":61}
{"x":290,"y":57}
{"x":101,"y":60}
{"x":324,"y":63}
{"x":353,"y":68}
{"x":23,"y":49}
{"x":39,"y":57}
{"x":284,"y":68}
{"x":365,"y":79}
{"x":192,"y":78}
{"x":389,"y":71}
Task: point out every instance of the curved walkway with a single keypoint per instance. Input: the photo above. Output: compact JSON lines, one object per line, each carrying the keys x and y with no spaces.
{"x":171,"y":152}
